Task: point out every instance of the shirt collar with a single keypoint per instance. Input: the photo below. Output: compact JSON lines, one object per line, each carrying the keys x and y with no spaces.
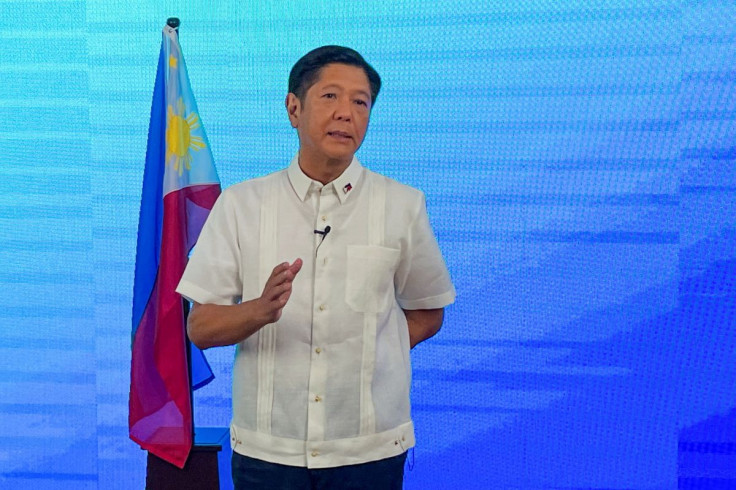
{"x":343,"y":186}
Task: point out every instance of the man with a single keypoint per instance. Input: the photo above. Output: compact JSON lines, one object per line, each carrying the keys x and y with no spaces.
{"x":324,"y":274}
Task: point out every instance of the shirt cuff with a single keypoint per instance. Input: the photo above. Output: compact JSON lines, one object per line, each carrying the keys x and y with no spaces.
{"x":194,"y":293}
{"x":433,"y":302}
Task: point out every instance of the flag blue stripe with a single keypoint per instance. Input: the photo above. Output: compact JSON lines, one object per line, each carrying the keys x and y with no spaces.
{"x":151,"y":214}
{"x":201,"y":372}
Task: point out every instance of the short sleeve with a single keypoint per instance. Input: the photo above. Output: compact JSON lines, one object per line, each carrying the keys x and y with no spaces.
{"x":212,"y":274}
{"x":422,"y":280}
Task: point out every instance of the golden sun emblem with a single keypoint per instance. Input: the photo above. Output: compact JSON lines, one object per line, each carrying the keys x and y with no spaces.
{"x":179,"y":138}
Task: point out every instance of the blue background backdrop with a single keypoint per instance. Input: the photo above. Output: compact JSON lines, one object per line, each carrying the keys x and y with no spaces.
{"x":579,"y":161}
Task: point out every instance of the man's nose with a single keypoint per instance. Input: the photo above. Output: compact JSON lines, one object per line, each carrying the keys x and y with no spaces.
{"x":342,"y":111}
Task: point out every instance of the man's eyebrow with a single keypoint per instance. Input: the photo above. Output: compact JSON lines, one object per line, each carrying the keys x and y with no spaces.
{"x":334,"y":85}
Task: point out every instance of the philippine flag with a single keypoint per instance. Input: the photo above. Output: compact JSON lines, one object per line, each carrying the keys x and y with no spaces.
{"x":180,"y":186}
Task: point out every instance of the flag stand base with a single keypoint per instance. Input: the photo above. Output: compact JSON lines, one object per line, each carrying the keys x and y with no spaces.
{"x":208,"y":466}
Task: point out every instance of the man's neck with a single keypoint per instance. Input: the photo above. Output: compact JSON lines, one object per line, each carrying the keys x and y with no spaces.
{"x":324,"y":171}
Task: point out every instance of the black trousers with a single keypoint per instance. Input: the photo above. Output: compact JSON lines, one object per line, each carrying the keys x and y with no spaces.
{"x":254,"y":474}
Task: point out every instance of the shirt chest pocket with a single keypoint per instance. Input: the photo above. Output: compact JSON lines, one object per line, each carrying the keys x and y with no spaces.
{"x":370,"y":277}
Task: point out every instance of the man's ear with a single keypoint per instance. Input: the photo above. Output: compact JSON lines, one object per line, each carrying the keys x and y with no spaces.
{"x":293,"y":109}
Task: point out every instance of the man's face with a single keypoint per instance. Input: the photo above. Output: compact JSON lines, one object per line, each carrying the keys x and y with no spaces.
{"x":333,"y":116}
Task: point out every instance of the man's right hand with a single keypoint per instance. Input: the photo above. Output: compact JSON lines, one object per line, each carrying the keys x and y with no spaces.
{"x":212,"y":325}
{"x":277,"y":291}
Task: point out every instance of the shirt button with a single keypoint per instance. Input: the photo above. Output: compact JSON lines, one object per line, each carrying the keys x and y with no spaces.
{"x":318,"y":350}
{"x":322,"y":307}
{"x":324,"y":218}
{"x":315,"y":454}
{"x":317,"y":399}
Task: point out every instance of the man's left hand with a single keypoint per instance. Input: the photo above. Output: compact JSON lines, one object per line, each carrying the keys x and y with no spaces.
{"x":423,"y":324}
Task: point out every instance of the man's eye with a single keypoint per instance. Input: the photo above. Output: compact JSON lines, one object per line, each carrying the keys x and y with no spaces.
{"x":329,"y":96}
{"x":361,"y":102}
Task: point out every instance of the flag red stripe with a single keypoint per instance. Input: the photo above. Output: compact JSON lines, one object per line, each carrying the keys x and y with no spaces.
{"x":160,"y":408}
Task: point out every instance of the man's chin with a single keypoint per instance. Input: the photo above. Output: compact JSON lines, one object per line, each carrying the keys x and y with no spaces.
{"x":342,"y":156}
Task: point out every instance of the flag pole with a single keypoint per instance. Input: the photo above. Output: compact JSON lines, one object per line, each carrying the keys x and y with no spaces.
{"x":185,"y":306}
{"x":174,"y":23}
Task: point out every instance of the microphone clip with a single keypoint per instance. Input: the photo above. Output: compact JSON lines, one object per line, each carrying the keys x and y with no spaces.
{"x":324,"y":234}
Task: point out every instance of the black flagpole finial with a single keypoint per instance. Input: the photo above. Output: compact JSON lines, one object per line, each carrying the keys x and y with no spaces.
{"x":173,"y":22}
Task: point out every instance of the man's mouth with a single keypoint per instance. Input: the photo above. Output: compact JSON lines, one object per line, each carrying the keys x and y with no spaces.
{"x":339,"y":134}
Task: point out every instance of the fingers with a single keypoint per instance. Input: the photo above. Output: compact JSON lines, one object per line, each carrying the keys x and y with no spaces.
{"x":277,"y":275}
{"x":280,"y":274}
{"x":278,"y":286}
{"x":284,"y":297}
{"x":276,"y":291}
{"x":296,"y":266}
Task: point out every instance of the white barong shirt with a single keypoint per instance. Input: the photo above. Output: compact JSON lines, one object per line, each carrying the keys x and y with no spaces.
{"x":328,"y":384}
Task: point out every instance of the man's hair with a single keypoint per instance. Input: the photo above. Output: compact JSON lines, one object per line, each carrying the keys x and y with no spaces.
{"x":305,"y":72}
